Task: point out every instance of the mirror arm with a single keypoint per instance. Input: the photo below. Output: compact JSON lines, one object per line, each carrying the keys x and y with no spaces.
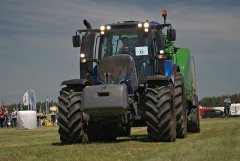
{"x":93,"y":60}
{"x":84,"y":30}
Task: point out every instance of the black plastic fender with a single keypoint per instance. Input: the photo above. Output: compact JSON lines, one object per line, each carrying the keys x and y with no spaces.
{"x":158,"y":79}
{"x":163,"y":78}
{"x":71,"y":82}
{"x":175,"y":69}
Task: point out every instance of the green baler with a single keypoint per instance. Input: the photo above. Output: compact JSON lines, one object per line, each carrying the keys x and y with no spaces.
{"x":186,"y":63}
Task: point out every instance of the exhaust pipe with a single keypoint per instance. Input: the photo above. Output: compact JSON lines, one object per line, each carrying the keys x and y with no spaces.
{"x":87,"y":24}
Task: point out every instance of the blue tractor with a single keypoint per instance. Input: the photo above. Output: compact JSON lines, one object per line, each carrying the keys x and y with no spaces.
{"x":129,"y":77}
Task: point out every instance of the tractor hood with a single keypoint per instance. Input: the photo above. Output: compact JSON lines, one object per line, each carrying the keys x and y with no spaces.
{"x":120,"y":69}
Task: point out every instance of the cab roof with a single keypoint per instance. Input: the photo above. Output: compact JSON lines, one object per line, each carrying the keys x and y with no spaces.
{"x":133,"y":23}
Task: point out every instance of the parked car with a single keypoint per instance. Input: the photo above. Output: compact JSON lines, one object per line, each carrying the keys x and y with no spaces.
{"x":213,"y":113}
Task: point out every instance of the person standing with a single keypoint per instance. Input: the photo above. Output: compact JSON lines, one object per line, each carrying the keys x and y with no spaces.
{"x":6,"y":117}
{"x":227,"y":104}
{"x":14,"y":117}
{"x":2,"y":116}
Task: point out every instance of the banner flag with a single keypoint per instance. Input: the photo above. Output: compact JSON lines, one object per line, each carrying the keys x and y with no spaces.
{"x":26,"y":98}
{"x":32,"y":100}
{"x":47,"y":106}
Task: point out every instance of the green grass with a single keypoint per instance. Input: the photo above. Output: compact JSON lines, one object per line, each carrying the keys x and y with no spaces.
{"x":218,"y":140}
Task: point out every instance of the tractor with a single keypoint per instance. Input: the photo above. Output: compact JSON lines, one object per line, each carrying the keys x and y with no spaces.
{"x":131,"y":75}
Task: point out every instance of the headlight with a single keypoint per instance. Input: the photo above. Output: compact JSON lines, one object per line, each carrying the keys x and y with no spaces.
{"x":83,"y":60}
{"x":146,"y":30}
{"x":102,"y":32}
{"x":161,"y":55}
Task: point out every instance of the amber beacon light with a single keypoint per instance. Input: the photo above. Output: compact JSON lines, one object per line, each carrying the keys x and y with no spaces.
{"x":164,"y":14}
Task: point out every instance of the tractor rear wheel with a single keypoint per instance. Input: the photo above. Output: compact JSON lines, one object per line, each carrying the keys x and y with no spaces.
{"x":180,"y":105}
{"x":70,"y":118}
{"x":161,"y":118}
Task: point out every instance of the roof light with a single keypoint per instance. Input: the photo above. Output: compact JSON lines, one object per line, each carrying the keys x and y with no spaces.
{"x":146,"y":25}
{"x":108,"y":27}
{"x":139,"y":25}
{"x":164,"y":13}
{"x":102,"y":28}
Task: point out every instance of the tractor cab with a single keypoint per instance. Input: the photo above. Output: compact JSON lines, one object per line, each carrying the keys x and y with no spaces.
{"x":127,"y":38}
{"x":145,"y":42}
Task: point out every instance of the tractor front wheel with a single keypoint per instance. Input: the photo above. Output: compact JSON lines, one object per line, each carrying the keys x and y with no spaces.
{"x":70,"y":118}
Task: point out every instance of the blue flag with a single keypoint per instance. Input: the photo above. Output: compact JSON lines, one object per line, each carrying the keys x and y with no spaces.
{"x":47,"y":106}
{"x":32,"y":100}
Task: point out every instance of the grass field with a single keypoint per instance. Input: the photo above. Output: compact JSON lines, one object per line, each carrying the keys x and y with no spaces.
{"x":218,"y":140}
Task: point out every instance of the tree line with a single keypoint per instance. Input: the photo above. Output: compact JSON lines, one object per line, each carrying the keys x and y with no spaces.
{"x":218,"y":101}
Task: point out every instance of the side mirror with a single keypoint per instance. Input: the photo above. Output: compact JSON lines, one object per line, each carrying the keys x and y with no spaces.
{"x":87,"y":46}
{"x":76,"y":40}
{"x":171,"y":34}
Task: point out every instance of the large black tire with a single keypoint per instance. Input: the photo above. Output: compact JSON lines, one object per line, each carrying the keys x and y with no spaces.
{"x":70,"y":118}
{"x":194,"y":123}
{"x":161,"y":118}
{"x":180,"y":105}
{"x":102,"y":132}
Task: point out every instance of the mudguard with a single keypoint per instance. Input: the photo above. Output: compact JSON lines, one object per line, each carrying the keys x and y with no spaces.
{"x":170,"y":70}
{"x":70,"y":82}
{"x":175,"y":69}
{"x":161,"y":80}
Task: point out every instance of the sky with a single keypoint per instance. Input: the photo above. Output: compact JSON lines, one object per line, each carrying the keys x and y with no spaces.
{"x":36,"y":40}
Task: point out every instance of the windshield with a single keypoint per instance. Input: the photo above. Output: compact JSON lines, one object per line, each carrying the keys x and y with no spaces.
{"x":124,"y":41}
{"x":128,"y":41}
